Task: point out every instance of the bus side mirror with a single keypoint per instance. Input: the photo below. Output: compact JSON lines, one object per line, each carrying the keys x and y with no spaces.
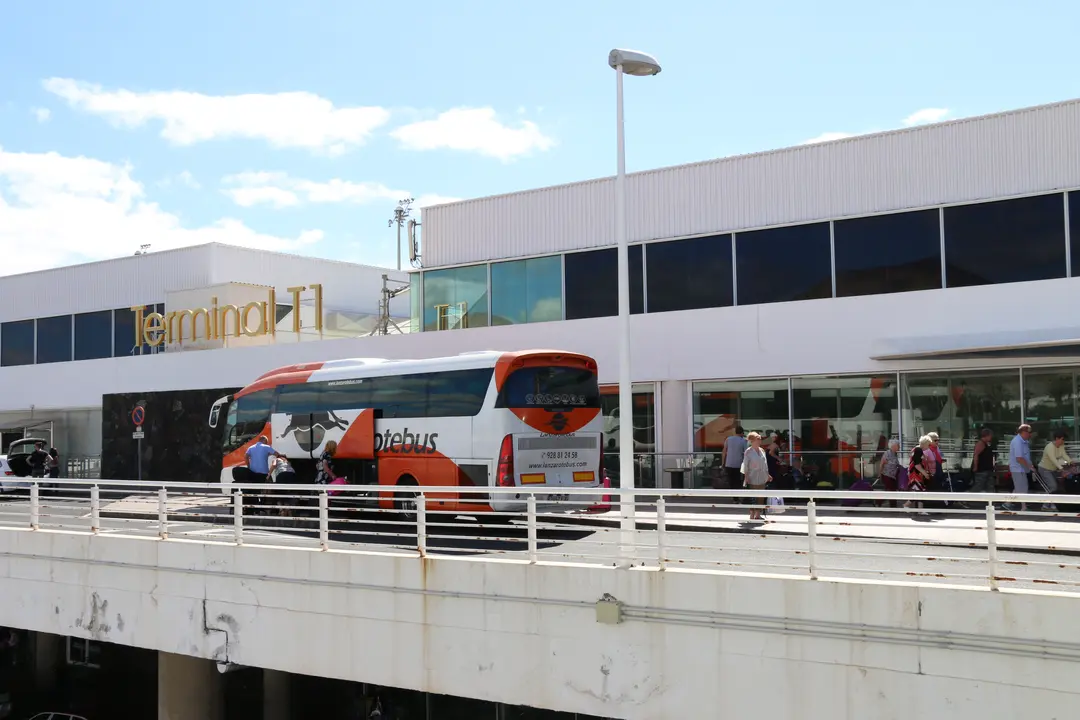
{"x":215,"y":412}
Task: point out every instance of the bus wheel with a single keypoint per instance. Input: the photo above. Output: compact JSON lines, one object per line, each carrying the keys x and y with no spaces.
{"x":405,"y":502}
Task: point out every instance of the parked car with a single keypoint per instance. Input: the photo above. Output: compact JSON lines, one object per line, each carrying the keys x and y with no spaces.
{"x":57,"y":716}
{"x":8,"y":483}
{"x":18,"y":454}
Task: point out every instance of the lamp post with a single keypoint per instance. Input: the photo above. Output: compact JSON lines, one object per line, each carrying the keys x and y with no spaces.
{"x":625,"y":62}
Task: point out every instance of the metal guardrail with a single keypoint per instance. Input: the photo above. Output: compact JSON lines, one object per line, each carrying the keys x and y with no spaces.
{"x":976,"y":540}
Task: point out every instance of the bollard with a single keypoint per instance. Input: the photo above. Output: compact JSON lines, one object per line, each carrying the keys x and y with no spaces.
{"x":238,"y":517}
{"x":991,"y":544}
{"x":661,"y":532}
{"x":95,"y":509}
{"x":421,"y":524}
{"x":530,"y":509}
{"x":35,"y":506}
{"x":163,"y":513}
{"x":811,"y":537}
{"x":324,"y":520}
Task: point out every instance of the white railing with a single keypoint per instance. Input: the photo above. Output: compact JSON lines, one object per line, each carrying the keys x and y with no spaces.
{"x":986,"y":542}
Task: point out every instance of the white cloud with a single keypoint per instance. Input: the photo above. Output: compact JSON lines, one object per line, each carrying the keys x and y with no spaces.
{"x":184,"y":178}
{"x":425,"y":201}
{"x":280,"y":190}
{"x":286,"y":120}
{"x":61,"y":210}
{"x":474,"y":130}
{"x":42,"y":114}
{"x":926,"y":115}
{"x":827,"y":137}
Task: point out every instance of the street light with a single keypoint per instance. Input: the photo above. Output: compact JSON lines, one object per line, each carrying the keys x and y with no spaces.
{"x":625,"y":62}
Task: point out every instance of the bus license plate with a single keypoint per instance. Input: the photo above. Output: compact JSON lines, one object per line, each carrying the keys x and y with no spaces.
{"x":558,"y":497}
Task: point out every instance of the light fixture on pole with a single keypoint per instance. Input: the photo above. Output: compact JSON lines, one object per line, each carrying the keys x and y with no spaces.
{"x":625,"y":62}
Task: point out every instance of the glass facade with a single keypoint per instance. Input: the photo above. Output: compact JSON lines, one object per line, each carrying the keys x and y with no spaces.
{"x":17,"y":343}
{"x":644,"y":421}
{"x":94,"y":335}
{"x":756,"y":405}
{"x":689,"y":274}
{"x":526,"y":291}
{"x":592,"y":283}
{"x":783,"y":264}
{"x":1005,"y":241}
{"x":1074,"y":231}
{"x":888,"y":253}
{"x":456,"y":298}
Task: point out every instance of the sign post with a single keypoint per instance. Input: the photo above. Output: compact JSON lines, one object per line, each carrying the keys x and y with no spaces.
{"x":138,"y":417}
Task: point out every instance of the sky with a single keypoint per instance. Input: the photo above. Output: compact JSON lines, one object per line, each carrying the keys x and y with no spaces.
{"x":297,"y":126}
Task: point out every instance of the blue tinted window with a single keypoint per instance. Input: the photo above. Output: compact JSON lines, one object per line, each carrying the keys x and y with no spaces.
{"x":54,"y":339}
{"x":17,"y":343}
{"x":592,"y":283}
{"x":124,"y":342}
{"x":888,"y":253}
{"x":1074,"y":231}
{"x":456,"y":298}
{"x":1005,"y":241}
{"x":526,"y":291}
{"x":93,"y":335}
{"x":785,"y":263}
{"x":688,"y":274}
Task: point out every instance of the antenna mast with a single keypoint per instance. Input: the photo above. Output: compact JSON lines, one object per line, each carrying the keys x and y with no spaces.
{"x":382,"y":325}
{"x":401,"y":215}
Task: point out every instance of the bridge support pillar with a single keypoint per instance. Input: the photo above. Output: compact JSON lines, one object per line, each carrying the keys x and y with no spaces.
{"x":189,"y":688}
{"x":49,"y":653}
{"x":275,"y":695}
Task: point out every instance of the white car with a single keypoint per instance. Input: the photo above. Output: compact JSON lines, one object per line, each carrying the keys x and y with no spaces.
{"x":57,"y":716}
{"x":9,"y":481}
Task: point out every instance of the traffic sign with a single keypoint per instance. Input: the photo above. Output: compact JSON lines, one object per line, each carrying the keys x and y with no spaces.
{"x":138,"y":415}
{"x":138,"y":435}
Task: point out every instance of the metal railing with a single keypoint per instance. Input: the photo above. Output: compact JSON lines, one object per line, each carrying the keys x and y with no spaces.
{"x":967,"y":539}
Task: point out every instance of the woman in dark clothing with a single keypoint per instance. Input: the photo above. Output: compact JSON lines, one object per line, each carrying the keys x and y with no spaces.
{"x":54,"y":463}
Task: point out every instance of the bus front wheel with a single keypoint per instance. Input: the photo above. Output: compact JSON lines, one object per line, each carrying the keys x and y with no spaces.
{"x":405,"y":502}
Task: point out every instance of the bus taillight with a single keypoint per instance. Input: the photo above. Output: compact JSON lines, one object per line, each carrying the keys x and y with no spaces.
{"x":505,"y":476}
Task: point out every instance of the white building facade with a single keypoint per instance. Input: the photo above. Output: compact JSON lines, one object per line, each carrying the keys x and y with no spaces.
{"x":837,"y":294}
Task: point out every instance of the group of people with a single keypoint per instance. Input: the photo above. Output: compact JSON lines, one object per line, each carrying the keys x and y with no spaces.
{"x":44,"y":463}
{"x":267,"y":465}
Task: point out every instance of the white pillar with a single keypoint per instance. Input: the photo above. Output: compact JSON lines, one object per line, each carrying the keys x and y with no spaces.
{"x":275,"y":695}
{"x":189,"y":688}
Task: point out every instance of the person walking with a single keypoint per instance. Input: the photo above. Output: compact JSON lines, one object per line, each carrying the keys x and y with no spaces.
{"x":983,"y":463}
{"x":755,"y":471}
{"x":890,"y":470}
{"x":1054,"y":459}
{"x":1020,"y":464}
{"x":732,"y":457}
{"x":919,"y":472}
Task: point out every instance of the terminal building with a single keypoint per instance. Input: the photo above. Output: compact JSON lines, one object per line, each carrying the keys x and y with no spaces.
{"x":836,"y":294}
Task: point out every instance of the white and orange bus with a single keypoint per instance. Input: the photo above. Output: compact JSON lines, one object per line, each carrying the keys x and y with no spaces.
{"x":507,"y":419}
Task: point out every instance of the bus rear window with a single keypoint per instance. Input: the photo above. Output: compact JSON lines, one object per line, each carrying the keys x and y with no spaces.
{"x":550,"y":387}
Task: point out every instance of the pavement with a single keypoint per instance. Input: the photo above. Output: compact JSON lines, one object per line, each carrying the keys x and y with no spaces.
{"x":863,"y":543}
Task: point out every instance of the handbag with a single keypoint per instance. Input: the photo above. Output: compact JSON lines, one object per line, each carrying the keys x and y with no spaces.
{"x":776,"y":505}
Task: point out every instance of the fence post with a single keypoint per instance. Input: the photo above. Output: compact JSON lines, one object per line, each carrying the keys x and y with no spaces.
{"x":163,"y":513}
{"x":661,"y":532}
{"x":238,"y":517}
{"x":95,"y":509}
{"x":991,"y":543}
{"x":35,"y":506}
{"x":421,"y":524}
{"x":811,"y":537}
{"x":324,"y":520}
{"x":530,"y":505}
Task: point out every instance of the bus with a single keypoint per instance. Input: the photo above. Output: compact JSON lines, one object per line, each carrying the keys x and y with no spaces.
{"x":475,"y":420}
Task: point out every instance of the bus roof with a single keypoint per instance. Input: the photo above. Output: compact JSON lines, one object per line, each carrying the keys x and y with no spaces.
{"x":373,"y":367}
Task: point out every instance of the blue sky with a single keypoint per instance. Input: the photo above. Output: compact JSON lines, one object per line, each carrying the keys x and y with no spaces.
{"x":295,"y":126}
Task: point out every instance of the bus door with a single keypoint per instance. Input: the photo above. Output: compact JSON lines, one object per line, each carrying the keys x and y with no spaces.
{"x":304,"y":436}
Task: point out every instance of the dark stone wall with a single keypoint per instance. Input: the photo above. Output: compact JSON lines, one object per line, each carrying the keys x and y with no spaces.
{"x":179,"y":445}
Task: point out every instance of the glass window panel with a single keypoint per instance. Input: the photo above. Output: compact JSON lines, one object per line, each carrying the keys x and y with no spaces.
{"x":957,"y":405}
{"x":785,"y":263}
{"x":54,"y":339}
{"x":124,"y":342}
{"x":688,"y":274}
{"x":1074,"y":231}
{"x":888,"y":253}
{"x":93,"y":335}
{"x":416,"y":301}
{"x":647,"y":467}
{"x":1052,"y":403}
{"x":718,"y":407}
{"x":592,"y":283}
{"x":526,"y":291}
{"x":1005,"y":241}
{"x":17,"y":343}
{"x":456,"y":298}
{"x":843,"y":424}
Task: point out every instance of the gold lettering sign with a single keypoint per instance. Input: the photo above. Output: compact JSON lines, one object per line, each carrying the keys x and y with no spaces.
{"x":255,"y":319}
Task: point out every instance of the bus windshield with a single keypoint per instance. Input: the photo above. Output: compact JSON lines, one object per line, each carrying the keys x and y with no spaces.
{"x":550,"y":387}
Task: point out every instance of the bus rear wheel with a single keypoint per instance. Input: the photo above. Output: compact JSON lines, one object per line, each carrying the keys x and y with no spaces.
{"x":405,"y":502}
